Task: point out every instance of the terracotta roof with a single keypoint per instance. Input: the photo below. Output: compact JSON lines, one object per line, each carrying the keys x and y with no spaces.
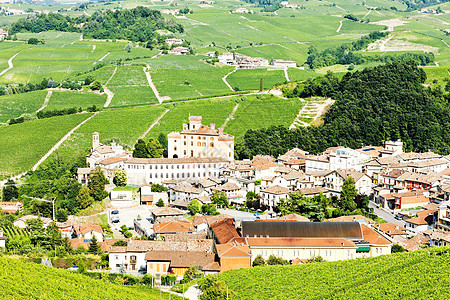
{"x":228,"y":186}
{"x":277,"y":190}
{"x":294,"y":217}
{"x":300,"y":242}
{"x":391,"y":229}
{"x":393,"y":174}
{"x":201,"y":219}
{"x":429,"y":178}
{"x":429,"y":163}
{"x":424,"y":217}
{"x":173,"y":227}
{"x":350,"y":173}
{"x":351,"y":218}
{"x":415,"y":242}
{"x":213,"y":266}
{"x":206,"y":182}
{"x":104,"y":149}
{"x":184,"y":188}
{"x":233,"y":250}
{"x":224,"y":230}
{"x":294,"y":162}
{"x":111,"y":160}
{"x":204,"y":245}
{"x":445,"y":172}
{"x":86,"y":227}
{"x":166,"y":211}
{"x":372,"y":237}
{"x":181,"y":259}
{"x":172,"y":219}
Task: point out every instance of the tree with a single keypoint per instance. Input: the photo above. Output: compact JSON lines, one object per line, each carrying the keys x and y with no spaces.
{"x":162,"y":139}
{"x":397,"y":248}
{"x":194,"y":207}
{"x":191,"y":274}
{"x":89,"y":79}
{"x":362,"y":201}
{"x":81,"y":267}
{"x":210,"y":209}
{"x":120,"y":177}
{"x":94,"y":247}
{"x":258,"y":261}
{"x":220,"y":198}
{"x":213,"y":288}
{"x":273,"y":260}
{"x":96,"y":183}
{"x":348,"y":194}
{"x":10,"y":191}
{"x":84,"y":198}
{"x":154,"y":149}
{"x":62,"y":215}
{"x":315,"y":259}
{"x":97,"y":86}
{"x":128,"y":47}
{"x":160,"y":203}
{"x":261,"y":85}
{"x":120,"y":243}
{"x":33,"y":41}
{"x":140,"y":149}
{"x":158,"y":188}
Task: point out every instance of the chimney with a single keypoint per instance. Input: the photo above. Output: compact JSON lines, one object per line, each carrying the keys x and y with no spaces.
{"x":212,"y":126}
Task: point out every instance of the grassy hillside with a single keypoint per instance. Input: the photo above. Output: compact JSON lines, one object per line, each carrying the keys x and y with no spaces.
{"x":414,"y":275}
{"x":23,"y":280}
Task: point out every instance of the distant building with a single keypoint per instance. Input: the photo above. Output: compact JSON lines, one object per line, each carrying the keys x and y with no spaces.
{"x":179,"y":51}
{"x":174,"y":41}
{"x":281,"y":63}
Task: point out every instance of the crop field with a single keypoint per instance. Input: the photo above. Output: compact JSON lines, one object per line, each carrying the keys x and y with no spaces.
{"x":299,"y":75}
{"x":7,"y":50}
{"x":255,"y":113}
{"x":12,"y":106}
{"x":27,"y":280}
{"x":250,"y":79}
{"x":132,"y":95}
{"x":22,"y":145}
{"x":123,"y":125}
{"x":364,"y":278}
{"x":213,"y":111}
{"x":61,"y":100}
{"x":51,"y":38}
{"x":437,"y":74}
{"x":129,"y":75}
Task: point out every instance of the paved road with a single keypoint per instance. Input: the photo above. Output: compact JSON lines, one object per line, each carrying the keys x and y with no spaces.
{"x":385,"y":215}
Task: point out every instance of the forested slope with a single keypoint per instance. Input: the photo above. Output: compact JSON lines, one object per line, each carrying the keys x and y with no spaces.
{"x":413,"y":275}
{"x":387,"y":102}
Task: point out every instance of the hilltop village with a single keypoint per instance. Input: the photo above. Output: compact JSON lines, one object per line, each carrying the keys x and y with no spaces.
{"x":198,"y":207}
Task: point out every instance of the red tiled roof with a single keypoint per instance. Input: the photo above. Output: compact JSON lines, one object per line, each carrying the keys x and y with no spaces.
{"x":224,"y":230}
{"x":372,"y":237}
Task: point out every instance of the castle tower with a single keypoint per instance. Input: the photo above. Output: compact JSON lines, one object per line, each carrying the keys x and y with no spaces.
{"x":95,"y":140}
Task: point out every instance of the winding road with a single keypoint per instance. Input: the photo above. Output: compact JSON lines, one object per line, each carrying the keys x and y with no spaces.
{"x":10,"y":64}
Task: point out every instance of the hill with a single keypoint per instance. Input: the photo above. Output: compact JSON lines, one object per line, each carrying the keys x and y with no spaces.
{"x":24,"y":280}
{"x":413,"y":275}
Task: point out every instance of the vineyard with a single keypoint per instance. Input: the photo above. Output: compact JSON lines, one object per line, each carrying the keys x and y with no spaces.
{"x":412,"y":275}
{"x":19,"y":280}
{"x":12,"y":231}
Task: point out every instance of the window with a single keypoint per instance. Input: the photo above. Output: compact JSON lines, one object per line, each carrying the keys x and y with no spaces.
{"x":167,"y":167}
{"x":204,"y":138}
{"x":150,"y":167}
{"x":156,"y":167}
{"x":185,"y":143}
{"x":192,"y":153}
{"x":172,"y":167}
{"x":211,"y":144}
{"x":117,"y":265}
{"x":117,"y":256}
{"x":174,"y":148}
{"x":204,"y":144}
{"x":192,"y":143}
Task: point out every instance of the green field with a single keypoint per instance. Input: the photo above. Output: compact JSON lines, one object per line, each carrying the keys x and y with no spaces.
{"x":26,"y":280}
{"x":269,"y":110}
{"x":411,"y":275}
{"x":22,"y":145}
{"x":129,"y":75}
{"x":250,"y":79}
{"x":12,"y":106}
{"x":213,"y":111}
{"x":132,"y":95}
{"x":61,"y":100}
{"x":123,"y":125}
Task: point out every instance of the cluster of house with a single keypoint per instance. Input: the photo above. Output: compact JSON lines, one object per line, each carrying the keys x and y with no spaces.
{"x":248,"y":62}
{"x":242,"y":10}
{"x":221,"y":243}
{"x":289,"y":5}
{"x":3,"y":34}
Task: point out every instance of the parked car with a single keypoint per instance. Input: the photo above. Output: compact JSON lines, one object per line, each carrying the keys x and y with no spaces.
{"x":398,"y":217}
{"x":115,"y":219}
{"x":73,"y":268}
{"x":115,"y":212}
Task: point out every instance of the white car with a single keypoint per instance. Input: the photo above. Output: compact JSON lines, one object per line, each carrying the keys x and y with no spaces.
{"x":115,"y":219}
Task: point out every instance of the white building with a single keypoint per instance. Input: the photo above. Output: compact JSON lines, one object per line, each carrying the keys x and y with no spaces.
{"x":334,"y":181}
{"x":155,"y":170}
{"x":271,"y":196}
{"x":226,"y":58}
{"x":100,"y":152}
{"x":200,"y":141}
{"x":341,"y":158}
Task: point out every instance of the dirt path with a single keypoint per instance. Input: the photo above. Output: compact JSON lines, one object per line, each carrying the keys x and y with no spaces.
{"x":47,"y":98}
{"x":286,"y":75}
{"x":152,"y":85}
{"x":56,"y":146}
{"x":109,"y":97}
{"x":445,"y":43}
{"x":230,"y":116}
{"x":112,"y":75}
{"x":367,"y":13}
{"x":153,"y":124}
{"x":340,"y":26}
{"x":225,"y":79}
{"x":10,"y":64}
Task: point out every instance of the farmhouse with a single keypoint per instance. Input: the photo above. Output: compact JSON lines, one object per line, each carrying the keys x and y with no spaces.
{"x":281,"y":63}
{"x":11,"y":207}
{"x":174,"y":41}
{"x":200,"y":141}
{"x":179,"y":51}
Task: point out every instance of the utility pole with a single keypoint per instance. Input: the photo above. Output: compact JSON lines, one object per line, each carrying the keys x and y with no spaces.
{"x":45,"y":200}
